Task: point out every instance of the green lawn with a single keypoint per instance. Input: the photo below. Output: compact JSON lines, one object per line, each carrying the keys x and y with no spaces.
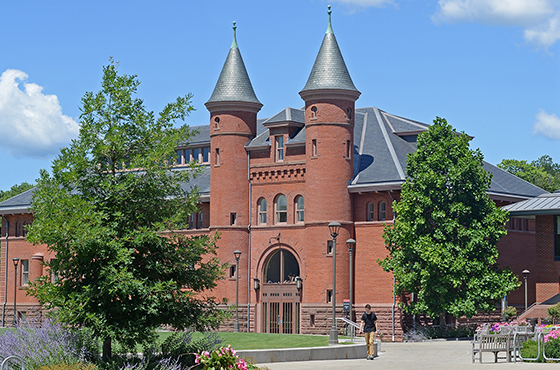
{"x":240,"y":341}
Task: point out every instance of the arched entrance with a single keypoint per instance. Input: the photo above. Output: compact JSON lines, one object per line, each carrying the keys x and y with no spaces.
{"x":280,"y":294}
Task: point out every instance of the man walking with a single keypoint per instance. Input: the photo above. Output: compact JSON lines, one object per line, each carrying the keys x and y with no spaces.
{"x":367,"y":326}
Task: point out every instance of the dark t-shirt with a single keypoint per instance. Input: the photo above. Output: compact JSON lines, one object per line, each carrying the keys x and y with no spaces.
{"x":369,"y":321}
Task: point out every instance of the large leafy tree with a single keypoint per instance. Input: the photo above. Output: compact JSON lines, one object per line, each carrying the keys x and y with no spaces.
{"x":542,"y":172}
{"x":108,"y":211}
{"x":442,"y":246}
{"x":15,"y":190}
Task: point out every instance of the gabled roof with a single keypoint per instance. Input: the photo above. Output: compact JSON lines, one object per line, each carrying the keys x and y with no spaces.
{"x":544,"y":204}
{"x":234,"y":84}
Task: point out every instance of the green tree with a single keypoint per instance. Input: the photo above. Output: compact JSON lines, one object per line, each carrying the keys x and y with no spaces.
{"x":106,"y":211}
{"x":15,"y":190}
{"x":542,"y":172}
{"x":442,"y":246}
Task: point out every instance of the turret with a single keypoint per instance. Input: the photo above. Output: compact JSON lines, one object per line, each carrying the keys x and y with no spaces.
{"x":233,"y":110}
{"x":329,"y":97}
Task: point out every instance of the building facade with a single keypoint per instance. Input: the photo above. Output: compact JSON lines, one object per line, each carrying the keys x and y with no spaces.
{"x":271,"y":187}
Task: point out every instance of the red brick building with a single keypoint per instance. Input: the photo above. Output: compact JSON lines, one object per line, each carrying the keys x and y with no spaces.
{"x":271,"y":187}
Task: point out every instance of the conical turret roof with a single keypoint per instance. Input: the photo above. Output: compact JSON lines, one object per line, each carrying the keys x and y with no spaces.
{"x":329,"y":70}
{"x":234,"y":83}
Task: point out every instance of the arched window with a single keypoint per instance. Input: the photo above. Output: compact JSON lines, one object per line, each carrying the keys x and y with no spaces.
{"x":261,"y":205}
{"x":282,"y":267}
{"x":313,"y":112}
{"x":300,"y":209}
{"x":281,"y":208}
{"x":18,"y":228}
{"x":382,"y":211}
{"x":369,"y":212}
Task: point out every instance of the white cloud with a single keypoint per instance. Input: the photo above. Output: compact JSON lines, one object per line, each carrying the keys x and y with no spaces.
{"x":547,"y":125}
{"x":365,"y":3}
{"x":31,"y":123}
{"x":540,"y":19}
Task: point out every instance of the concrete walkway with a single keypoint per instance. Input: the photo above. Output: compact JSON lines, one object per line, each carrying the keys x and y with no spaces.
{"x":439,"y":354}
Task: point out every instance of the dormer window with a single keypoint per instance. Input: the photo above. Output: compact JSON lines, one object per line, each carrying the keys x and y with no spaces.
{"x":279,"y":148}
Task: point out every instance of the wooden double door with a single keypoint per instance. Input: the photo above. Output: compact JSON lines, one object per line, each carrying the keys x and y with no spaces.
{"x":281,"y":308}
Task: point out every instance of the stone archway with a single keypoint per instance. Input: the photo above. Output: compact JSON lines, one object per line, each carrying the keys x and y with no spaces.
{"x":281,"y":299}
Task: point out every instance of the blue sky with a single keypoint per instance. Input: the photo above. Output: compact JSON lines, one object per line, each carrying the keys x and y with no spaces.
{"x":490,"y":67}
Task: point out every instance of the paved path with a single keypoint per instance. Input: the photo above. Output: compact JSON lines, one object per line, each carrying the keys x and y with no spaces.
{"x":455,"y":355}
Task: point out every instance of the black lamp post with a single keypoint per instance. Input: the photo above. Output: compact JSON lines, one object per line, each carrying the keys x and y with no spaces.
{"x":237,"y":254}
{"x":351,"y":243}
{"x":15,"y":260}
{"x":526,"y":276}
{"x":334,"y":228}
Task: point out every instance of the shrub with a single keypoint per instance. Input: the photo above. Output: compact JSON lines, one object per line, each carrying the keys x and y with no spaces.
{"x":221,"y":358}
{"x":180,"y":346}
{"x":554,"y":312}
{"x":45,"y":343}
{"x":510,"y":312}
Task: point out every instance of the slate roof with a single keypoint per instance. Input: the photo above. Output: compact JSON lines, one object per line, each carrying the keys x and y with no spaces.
{"x":18,"y":204}
{"x":381,"y":144}
{"x":544,"y":204}
{"x":329,"y":70}
{"x":234,"y":83}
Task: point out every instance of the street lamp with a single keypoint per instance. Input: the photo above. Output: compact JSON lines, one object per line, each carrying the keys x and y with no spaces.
{"x":334,"y":228}
{"x":526,"y":276}
{"x":15,"y":260}
{"x":237,"y":254}
{"x":351,"y":243}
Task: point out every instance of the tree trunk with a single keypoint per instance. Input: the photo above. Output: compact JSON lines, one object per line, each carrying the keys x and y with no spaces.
{"x":107,"y":349}
{"x":442,"y":323}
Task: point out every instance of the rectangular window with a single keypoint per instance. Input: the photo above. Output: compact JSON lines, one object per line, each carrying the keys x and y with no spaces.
{"x":217,"y":157}
{"x":24,"y":272}
{"x":200,"y":217}
{"x":348,"y":149}
{"x":206,"y":155}
{"x":232,"y":271}
{"x":232,"y":218}
{"x":329,"y":295}
{"x":196,"y":155}
{"x":557,"y":238}
{"x":191,"y":221}
{"x":179,"y":157}
{"x":329,"y":246}
{"x":314,"y":147}
{"x":279,"y":148}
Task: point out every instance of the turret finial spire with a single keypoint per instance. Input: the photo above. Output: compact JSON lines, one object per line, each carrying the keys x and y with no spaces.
{"x":329,"y":28}
{"x":234,"y":43}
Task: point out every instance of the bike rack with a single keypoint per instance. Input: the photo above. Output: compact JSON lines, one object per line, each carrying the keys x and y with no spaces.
{"x":517,"y":349}
{"x":11,"y":358}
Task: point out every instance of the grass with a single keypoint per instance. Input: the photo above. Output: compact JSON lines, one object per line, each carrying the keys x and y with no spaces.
{"x":242,"y":341}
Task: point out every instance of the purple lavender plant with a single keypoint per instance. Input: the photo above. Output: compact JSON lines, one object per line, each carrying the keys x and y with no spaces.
{"x":42,"y":343}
